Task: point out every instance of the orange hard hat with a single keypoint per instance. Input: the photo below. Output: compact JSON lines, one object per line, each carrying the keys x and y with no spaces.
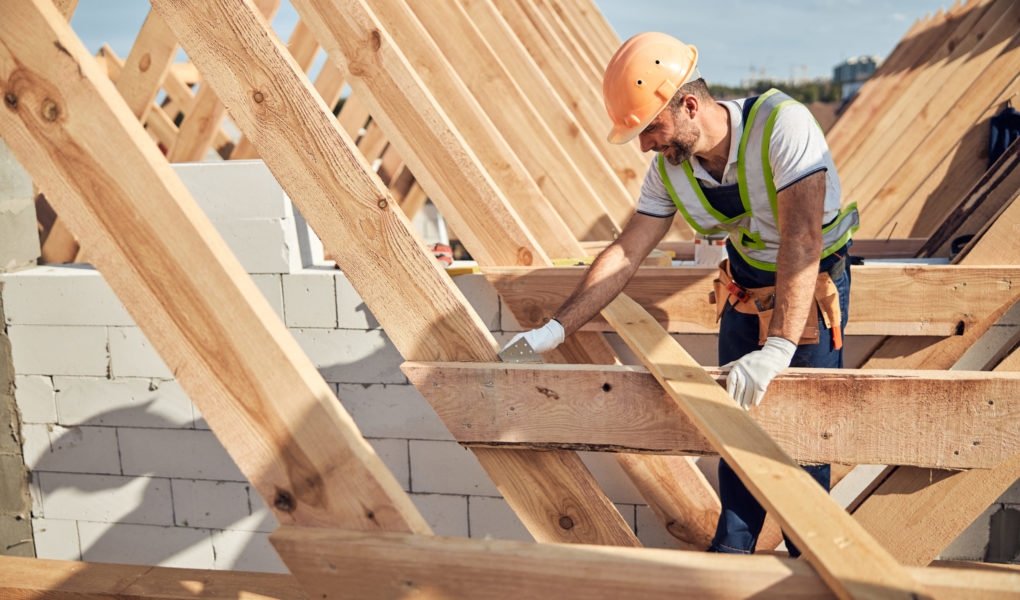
{"x":642,"y":77}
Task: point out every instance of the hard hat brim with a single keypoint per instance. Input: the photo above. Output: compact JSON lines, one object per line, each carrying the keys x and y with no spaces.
{"x":622,"y":135}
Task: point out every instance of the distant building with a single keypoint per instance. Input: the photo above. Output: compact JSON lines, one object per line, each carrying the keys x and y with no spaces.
{"x":853,"y":72}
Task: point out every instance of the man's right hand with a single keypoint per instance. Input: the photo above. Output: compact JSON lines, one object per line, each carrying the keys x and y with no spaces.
{"x":543,"y":339}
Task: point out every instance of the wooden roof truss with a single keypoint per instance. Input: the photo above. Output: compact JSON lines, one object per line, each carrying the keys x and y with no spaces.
{"x":347,"y":528}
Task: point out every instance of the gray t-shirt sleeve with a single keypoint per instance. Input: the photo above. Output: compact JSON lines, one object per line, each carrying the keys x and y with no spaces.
{"x":797,"y":147}
{"x":654,"y":200}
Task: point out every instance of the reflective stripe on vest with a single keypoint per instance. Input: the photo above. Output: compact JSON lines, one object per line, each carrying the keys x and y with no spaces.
{"x":755,"y":232}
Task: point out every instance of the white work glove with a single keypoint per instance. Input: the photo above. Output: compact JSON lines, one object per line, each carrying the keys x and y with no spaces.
{"x":543,"y":339}
{"x":751,"y":374}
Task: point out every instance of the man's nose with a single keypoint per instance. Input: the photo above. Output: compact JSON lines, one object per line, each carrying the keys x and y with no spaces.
{"x":646,"y":143}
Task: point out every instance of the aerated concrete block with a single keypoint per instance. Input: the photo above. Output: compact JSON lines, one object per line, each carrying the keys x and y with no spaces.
{"x":447,"y":468}
{"x":245,"y":551}
{"x":394,"y":455}
{"x":61,"y":295}
{"x":71,"y":449}
{"x":492,"y":518}
{"x":351,"y":310}
{"x":56,"y":539}
{"x":19,"y":238}
{"x":309,"y":298}
{"x":261,"y":519}
{"x":105,"y":498}
{"x":131,"y":355}
{"x":182,"y":453}
{"x":58,"y":350}
{"x":262,"y":246}
{"x":129,"y":544}
{"x":482,"y":297}
{"x":651,"y":531}
{"x":392,"y":411}
{"x":234,"y":190}
{"x":35,"y":397}
{"x":611,"y":477}
{"x":349,"y":356}
{"x":446,"y":515}
{"x":272,"y":288}
{"x":129,"y":402}
{"x":209,"y":504}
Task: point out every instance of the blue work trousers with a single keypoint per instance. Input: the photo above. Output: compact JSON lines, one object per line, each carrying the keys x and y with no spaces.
{"x":742,"y":516}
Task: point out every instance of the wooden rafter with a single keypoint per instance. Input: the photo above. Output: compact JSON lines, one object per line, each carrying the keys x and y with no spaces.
{"x":849,"y":560}
{"x":404,"y":288}
{"x":261,"y":395}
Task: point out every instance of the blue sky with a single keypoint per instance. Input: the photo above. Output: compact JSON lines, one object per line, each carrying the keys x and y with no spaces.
{"x":785,"y":38}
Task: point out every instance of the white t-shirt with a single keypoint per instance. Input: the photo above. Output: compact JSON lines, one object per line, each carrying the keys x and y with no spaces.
{"x":797,"y":149}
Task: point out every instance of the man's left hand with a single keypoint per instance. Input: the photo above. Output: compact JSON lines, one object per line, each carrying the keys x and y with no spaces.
{"x":750,"y":375}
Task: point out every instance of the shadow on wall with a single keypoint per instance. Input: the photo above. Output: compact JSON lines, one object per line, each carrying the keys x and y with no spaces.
{"x":151,"y":502}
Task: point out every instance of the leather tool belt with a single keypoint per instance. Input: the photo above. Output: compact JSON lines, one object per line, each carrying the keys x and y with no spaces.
{"x":761,"y":301}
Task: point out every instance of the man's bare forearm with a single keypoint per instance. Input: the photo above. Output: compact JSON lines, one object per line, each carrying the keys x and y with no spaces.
{"x":800,"y":214}
{"x":604,"y":280}
{"x":611,"y":271}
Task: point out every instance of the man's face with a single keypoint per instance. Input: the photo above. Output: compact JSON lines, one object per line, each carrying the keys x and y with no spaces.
{"x":673,"y":135}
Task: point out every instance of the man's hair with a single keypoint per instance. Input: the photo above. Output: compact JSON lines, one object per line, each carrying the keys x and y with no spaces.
{"x":697,"y":88}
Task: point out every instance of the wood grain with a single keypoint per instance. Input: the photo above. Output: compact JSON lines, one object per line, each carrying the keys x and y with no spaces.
{"x":923,"y":300}
{"x":850,"y":561}
{"x":352,"y":565}
{"x":30,"y":578}
{"x":260,"y":394}
{"x":958,"y":419}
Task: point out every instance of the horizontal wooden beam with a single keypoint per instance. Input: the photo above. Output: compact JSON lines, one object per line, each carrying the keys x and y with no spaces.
{"x":862,"y":248}
{"x":347,"y":564}
{"x":922,"y":300}
{"x":935,"y":419}
{"x":29,"y":578}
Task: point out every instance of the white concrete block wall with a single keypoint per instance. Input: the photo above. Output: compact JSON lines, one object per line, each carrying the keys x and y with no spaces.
{"x":126,"y":470}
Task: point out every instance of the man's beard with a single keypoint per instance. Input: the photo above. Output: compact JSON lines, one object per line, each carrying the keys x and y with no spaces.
{"x":681,"y":147}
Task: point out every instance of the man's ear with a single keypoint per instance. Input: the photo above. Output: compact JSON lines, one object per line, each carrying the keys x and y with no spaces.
{"x":691,"y":105}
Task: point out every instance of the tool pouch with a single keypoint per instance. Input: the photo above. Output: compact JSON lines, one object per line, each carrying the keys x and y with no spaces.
{"x":761,"y":302}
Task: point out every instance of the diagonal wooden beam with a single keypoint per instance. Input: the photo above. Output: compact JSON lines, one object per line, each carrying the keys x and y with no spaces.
{"x":260,"y":394}
{"x":592,"y":154}
{"x":386,"y":565}
{"x":147,"y":65}
{"x":850,"y":561}
{"x":585,"y":208}
{"x":916,"y":513}
{"x":415,"y":301}
{"x":201,"y":123}
{"x":926,"y":300}
{"x":303,"y":47}
{"x":936,"y":419}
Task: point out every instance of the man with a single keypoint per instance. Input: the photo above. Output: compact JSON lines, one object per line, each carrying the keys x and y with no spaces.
{"x":758,"y":168}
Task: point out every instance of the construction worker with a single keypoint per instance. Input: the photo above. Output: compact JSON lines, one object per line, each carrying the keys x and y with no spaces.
{"x":759,"y":169}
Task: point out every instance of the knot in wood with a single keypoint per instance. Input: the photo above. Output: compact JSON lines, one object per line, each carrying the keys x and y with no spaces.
{"x":566,"y":522}
{"x":382,"y":203}
{"x":258,"y":97}
{"x":284,"y":501}
{"x":50,"y":111}
{"x":11,"y":100}
{"x":524,"y":257}
{"x":145,"y":63}
{"x":375,"y":40}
